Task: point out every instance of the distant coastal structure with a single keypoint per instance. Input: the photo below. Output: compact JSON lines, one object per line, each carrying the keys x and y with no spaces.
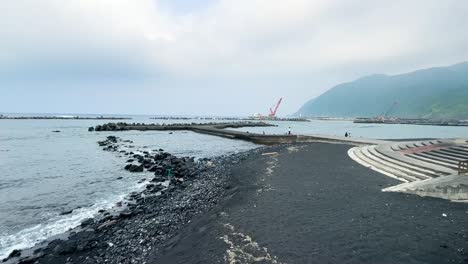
{"x":66,"y":117}
{"x":411,"y":121}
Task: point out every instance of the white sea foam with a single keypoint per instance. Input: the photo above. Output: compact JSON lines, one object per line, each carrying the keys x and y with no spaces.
{"x":29,"y":237}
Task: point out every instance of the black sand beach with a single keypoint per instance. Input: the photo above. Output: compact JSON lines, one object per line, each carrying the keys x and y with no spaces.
{"x":318,"y":206}
{"x":282,"y":204}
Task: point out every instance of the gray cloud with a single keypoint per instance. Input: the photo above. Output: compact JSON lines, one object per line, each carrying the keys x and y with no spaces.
{"x":219,"y":54}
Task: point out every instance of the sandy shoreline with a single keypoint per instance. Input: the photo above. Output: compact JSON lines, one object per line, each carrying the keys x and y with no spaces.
{"x":313,"y":204}
{"x":306,"y":203}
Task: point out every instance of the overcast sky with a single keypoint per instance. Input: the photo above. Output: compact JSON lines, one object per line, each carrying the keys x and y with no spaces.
{"x":212,"y":56}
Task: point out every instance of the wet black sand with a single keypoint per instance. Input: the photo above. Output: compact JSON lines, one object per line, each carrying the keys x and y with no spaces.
{"x":319,"y":206}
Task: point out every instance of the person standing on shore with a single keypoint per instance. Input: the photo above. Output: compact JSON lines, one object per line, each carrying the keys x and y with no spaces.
{"x":346,"y":134}
{"x":289,"y":130}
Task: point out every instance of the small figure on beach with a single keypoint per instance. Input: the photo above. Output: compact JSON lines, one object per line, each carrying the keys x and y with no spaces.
{"x":289,"y":130}
{"x":346,"y":134}
{"x":169,"y":172}
{"x":263,"y":132}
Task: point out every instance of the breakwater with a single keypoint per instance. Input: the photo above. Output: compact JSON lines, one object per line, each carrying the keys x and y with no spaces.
{"x":261,"y":118}
{"x":220,"y":130}
{"x":214,"y":129}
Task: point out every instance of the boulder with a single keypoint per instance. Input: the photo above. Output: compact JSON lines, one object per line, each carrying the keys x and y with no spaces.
{"x":134,"y":168}
{"x":14,"y":254}
{"x":66,"y":212}
{"x":87,"y":222}
{"x":126,"y":213}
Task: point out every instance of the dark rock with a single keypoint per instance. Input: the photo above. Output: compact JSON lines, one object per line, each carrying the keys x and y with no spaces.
{"x":56,"y":131}
{"x":87,"y":222}
{"x":67,"y":212}
{"x":91,"y":129}
{"x":130,"y":160}
{"x":14,"y":254}
{"x":65,"y":248}
{"x":134,"y":168}
{"x":126,"y":213}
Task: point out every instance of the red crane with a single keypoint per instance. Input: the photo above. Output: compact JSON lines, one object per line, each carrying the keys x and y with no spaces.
{"x":273,"y":111}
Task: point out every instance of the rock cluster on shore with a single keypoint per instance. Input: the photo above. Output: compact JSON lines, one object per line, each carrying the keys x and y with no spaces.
{"x":181,"y":188}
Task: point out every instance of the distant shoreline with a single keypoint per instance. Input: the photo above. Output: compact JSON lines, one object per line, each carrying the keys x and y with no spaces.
{"x":62,"y":118}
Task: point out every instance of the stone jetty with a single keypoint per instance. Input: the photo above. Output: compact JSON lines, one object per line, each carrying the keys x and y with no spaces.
{"x":214,"y":129}
{"x":222,"y":130}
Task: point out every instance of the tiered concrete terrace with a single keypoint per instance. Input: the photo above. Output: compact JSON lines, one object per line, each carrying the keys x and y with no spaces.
{"x":429,"y":168}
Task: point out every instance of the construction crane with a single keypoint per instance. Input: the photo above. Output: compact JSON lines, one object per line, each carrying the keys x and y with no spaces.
{"x":384,"y":116}
{"x":275,"y":108}
{"x":394,"y":105}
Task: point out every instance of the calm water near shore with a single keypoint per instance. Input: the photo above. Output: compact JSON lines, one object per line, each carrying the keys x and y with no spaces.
{"x":43,"y":173}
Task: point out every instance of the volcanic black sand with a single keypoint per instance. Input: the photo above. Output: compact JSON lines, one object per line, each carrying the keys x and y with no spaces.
{"x":282,"y":204}
{"x":313,"y":204}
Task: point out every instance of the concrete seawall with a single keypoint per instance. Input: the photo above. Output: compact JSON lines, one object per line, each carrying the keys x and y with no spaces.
{"x":214,"y":129}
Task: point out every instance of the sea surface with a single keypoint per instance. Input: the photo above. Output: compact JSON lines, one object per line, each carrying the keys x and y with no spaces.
{"x":43,"y":173}
{"x":374,"y":131}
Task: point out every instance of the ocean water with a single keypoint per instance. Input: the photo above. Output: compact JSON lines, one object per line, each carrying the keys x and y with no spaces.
{"x":374,"y":131}
{"x":43,"y":173}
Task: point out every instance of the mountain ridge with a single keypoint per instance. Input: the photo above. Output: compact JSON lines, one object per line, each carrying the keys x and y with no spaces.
{"x":435,"y":93}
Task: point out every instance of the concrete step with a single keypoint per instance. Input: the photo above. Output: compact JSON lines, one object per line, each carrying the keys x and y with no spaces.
{"x":383,"y":168}
{"x":432,"y":161}
{"x":460,"y":148}
{"x":409,"y":145}
{"x":402,"y":146}
{"x":452,"y":187}
{"x":426,"y":172}
{"x":455,"y":151}
{"x":444,"y":156}
{"x":416,"y":175}
{"x":451,"y":154}
{"x":434,"y":156}
{"x":388,"y":152}
{"x":354,"y":154}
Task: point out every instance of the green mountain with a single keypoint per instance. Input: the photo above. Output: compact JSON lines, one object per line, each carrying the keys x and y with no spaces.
{"x":435,"y":93}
